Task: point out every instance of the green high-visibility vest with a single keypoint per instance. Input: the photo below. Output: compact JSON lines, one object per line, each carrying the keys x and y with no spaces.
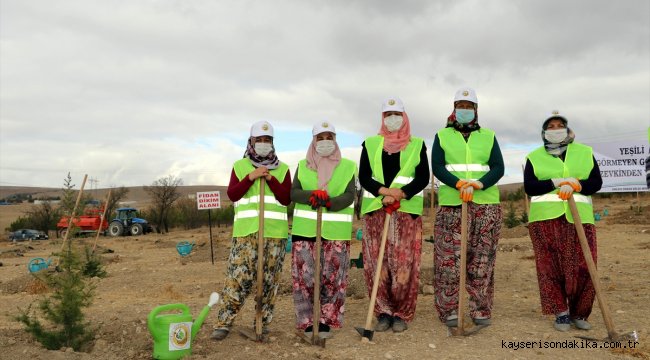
{"x":409,"y":159}
{"x":467,"y":160}
{"x":336,"y":225}
{"x":247,"y":208}
{"x":578,"y":163}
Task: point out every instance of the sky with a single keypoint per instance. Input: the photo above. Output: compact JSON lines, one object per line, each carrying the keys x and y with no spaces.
{"x":132,"y":91}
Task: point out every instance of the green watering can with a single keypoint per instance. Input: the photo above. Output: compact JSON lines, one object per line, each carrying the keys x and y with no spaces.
{"x":173,"y":333}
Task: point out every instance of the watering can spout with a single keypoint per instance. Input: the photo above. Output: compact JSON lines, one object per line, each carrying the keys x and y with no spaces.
{"x":214,"y":298}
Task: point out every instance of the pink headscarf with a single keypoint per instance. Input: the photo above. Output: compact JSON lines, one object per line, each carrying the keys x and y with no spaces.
{"x":323,"y":165}
{"x":396,"y":141}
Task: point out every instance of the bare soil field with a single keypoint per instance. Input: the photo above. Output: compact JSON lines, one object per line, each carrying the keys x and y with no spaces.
{"x":146,"y":271}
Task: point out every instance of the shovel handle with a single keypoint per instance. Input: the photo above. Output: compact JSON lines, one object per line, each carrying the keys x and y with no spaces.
{"x":593,"y":271}
{"x":375,"y":283}
{"x":317,"y":275}
{"x":260,"y":262}
{"x":462,"y":268}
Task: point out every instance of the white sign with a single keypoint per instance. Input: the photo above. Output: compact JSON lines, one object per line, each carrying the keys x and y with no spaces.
{"x":208,"y":200}
{"x":622,"y":164}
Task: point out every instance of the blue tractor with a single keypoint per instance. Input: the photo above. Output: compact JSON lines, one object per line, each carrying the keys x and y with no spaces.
{"x":127,"y":223}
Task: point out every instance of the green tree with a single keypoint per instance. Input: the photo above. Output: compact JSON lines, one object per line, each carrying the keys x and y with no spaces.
{"x":511,"y":217}
{"x":44,"y":216}
{"x":63,"y":309}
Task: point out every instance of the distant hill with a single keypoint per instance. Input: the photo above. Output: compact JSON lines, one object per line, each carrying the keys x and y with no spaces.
{"x":136,"y":194}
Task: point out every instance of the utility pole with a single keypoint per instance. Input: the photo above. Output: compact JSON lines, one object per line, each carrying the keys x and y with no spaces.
{"x":93,"y":186}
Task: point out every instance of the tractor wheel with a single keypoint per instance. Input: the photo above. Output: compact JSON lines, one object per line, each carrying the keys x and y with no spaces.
{"x":116,"y":229}
{"x":63,"y":232}
{"x":136,"y":229}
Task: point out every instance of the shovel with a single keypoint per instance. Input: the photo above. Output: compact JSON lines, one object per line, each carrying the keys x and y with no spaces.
{"x":257,"y":335}
{"x":315,"y":339}
{"x":460,"y":329}
{"x":612,"y":335}
{"x":366,"y":332}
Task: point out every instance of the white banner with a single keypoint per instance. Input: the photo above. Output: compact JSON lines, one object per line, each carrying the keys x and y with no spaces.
{"x":208,"y":200}
{"x":622,"y":164}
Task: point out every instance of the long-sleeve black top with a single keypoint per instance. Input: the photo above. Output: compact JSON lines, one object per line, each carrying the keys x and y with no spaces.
{"x":535,"y":187}
{"x":441,"y":173}
{"x":391,"y":166}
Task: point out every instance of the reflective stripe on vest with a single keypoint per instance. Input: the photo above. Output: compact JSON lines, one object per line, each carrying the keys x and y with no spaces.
{"x":467,"y":160}
{"x":409,"y":159}
{"x":246,"y":219}
{"x":336,"y":225}
{"x":578,"y":164}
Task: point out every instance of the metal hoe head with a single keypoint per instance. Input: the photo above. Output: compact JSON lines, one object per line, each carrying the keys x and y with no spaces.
{"x":456,"y":331}
{"x":365,"y":334}
{"x":251,"y":335}
{"x":313,"y":340}
{"x":629,"y":336}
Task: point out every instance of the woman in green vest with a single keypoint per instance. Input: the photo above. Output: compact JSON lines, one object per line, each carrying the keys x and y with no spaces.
{"x":393,"y":171}
{"x":323,"y":180}
{"x":259,"y":161}
{"x":553,"y":173}
{"x":467,"y":160}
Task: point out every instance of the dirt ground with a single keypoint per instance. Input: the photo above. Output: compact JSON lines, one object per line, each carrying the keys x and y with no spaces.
{"x":146,"y":271}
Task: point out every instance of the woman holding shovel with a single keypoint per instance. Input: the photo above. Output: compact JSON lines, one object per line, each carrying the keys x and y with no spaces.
{"x":554,"y":172}
{"x":393,"y":171}
{"x":260,"y":165}
{"x":467,"y":160}
{"x":324,"y":184}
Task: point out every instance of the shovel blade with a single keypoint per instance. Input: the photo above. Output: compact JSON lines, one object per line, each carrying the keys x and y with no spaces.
{"x":631,"y":336}
{"x":313,"y":340}
{"x":251,"y":335}
{"x":456,"y":331}
{"x":365,"y":333}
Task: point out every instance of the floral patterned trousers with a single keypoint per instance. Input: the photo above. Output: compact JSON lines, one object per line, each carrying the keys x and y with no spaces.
{"x":241,"y":277}
{"x":335,"y":258}
{"x":400,"y":273}
{"x":562,"y":274}
{"x":483,"y":230}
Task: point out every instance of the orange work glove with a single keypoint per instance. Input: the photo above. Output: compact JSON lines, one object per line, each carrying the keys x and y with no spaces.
{"x":460,"y":183}
{"x":467,"y":193}
{"x":565,"y":192}
{"x":573,"y":182}
{"x":467,"y":189}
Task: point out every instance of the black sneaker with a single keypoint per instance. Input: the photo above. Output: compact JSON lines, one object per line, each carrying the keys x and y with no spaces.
{"x":324,"y":331}
{"x":384,"y":322}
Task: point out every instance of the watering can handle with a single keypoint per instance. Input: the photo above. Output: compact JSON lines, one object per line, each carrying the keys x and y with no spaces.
{"x":151,"y":319}
{"x":37,"y":261}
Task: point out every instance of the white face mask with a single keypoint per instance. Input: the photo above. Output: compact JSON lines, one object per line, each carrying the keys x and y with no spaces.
{"x":263,"y":149}
{"x":555,"y":136}
{"x":393,"y":122}
{"x":325,"y":147}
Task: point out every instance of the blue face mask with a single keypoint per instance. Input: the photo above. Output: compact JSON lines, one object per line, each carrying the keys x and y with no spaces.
{"x":464,"y":116}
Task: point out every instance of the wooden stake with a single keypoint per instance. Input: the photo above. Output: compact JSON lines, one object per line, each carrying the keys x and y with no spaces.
{"x":527,"y":206}
{"x":71,"y":219}
{"x":101,"y":222}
